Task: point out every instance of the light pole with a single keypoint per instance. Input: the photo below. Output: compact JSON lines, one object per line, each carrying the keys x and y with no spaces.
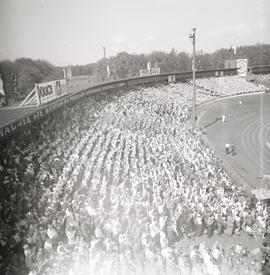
{"x":192,"y":36}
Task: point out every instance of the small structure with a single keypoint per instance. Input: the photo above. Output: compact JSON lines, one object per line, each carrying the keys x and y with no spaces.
{"x":240,"y":64}
{"x":171,"y":78}
{"x":149,"y":70}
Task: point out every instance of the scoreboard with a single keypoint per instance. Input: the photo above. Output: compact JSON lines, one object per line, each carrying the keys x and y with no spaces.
{"x":240,"y":64}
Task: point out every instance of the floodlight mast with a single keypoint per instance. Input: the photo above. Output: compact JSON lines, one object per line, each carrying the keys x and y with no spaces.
{"x":193,"y":38}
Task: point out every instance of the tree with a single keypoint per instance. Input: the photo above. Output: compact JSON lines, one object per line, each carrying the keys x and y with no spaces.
{"x":8,"y":76}
{"x":184,"y":62}
{"x":19,"y":77}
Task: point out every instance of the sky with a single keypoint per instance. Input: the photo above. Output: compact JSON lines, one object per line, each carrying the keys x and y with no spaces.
{"x":75,"y":31}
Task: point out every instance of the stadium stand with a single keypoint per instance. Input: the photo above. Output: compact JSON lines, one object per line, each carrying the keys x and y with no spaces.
{"x":263,"y":77}
{"x":101,"y":186}
{"x":228,"y":86}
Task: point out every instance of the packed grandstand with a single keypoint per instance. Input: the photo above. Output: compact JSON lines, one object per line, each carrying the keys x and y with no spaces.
{"x":116,"y":186}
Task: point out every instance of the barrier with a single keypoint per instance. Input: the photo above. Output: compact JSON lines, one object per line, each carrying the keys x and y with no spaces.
{"x":43,"y":93}
{"x":14,"y":125}
{"x":31,"y":99}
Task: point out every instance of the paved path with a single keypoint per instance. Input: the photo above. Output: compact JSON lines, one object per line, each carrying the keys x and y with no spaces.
{"x":247,"y":125}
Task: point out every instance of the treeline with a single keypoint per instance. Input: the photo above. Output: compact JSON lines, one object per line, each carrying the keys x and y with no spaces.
{"x":20,"y":76}
{"x":128,"y":65}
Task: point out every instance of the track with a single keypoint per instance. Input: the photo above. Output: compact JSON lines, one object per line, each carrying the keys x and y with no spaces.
{"x":255,"y":141}
{"x":248,"y":127}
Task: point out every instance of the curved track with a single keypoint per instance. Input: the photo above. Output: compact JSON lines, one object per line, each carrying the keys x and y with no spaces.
{"x":255,"y":141}
{"x":247,"y":125}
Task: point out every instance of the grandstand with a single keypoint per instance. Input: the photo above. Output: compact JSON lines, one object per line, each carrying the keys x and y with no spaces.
{"x":113,"y":178}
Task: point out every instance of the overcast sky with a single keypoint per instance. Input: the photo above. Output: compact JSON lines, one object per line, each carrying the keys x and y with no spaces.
{"x":74,"y":31}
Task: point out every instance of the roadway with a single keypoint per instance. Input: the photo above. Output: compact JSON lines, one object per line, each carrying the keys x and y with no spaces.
{"x":247,"y":125}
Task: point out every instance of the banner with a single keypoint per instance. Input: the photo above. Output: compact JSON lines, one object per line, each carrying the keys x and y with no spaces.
{"x":108,"y":71}
{"x":67,"y":75}
{"x":171,"y":78}
{"x":242,"y":66}
{"x":48,"y":91}
{"x":2,"y":94}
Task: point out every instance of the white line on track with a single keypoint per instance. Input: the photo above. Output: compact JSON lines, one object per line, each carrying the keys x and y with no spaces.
{"x":266,"y":135}
{"x":253,"y":138}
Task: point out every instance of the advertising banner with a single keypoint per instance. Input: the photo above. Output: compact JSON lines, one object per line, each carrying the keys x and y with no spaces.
{"x":242,"y":65}
{"x":48,"y":91}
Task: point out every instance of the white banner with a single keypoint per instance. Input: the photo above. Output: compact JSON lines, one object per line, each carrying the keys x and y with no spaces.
{"x":48,"y":91}
{"x":67,"y":75}
{"x":242,"y":65}
{"x":2,"y":93}
{"x":171,"y":78}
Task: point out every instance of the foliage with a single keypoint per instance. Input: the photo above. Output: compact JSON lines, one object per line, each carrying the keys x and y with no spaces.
{"x":83,"y":69}
{"x":20,"y":76}
{"x":7,"y":73}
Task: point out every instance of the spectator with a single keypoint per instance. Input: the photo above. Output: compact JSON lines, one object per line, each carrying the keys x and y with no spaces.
{"x":93,"y":191}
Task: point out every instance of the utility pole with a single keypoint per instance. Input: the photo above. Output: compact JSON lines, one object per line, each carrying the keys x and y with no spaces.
{"x":192,"y":36}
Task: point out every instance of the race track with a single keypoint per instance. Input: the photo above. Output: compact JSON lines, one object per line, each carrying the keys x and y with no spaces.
{"x":247,"y":125}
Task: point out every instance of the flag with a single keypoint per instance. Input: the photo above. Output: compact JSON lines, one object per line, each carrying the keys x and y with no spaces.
{"x":108,"y":71}
{"x":234,"y":49}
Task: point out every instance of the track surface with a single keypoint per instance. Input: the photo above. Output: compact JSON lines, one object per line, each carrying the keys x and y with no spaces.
{"x":247,"y":125}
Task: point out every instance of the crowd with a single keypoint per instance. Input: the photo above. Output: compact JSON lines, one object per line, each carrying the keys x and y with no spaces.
{"x":263,"y":77}
{"x":113,"y":187}
{"x":228,"y":86}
